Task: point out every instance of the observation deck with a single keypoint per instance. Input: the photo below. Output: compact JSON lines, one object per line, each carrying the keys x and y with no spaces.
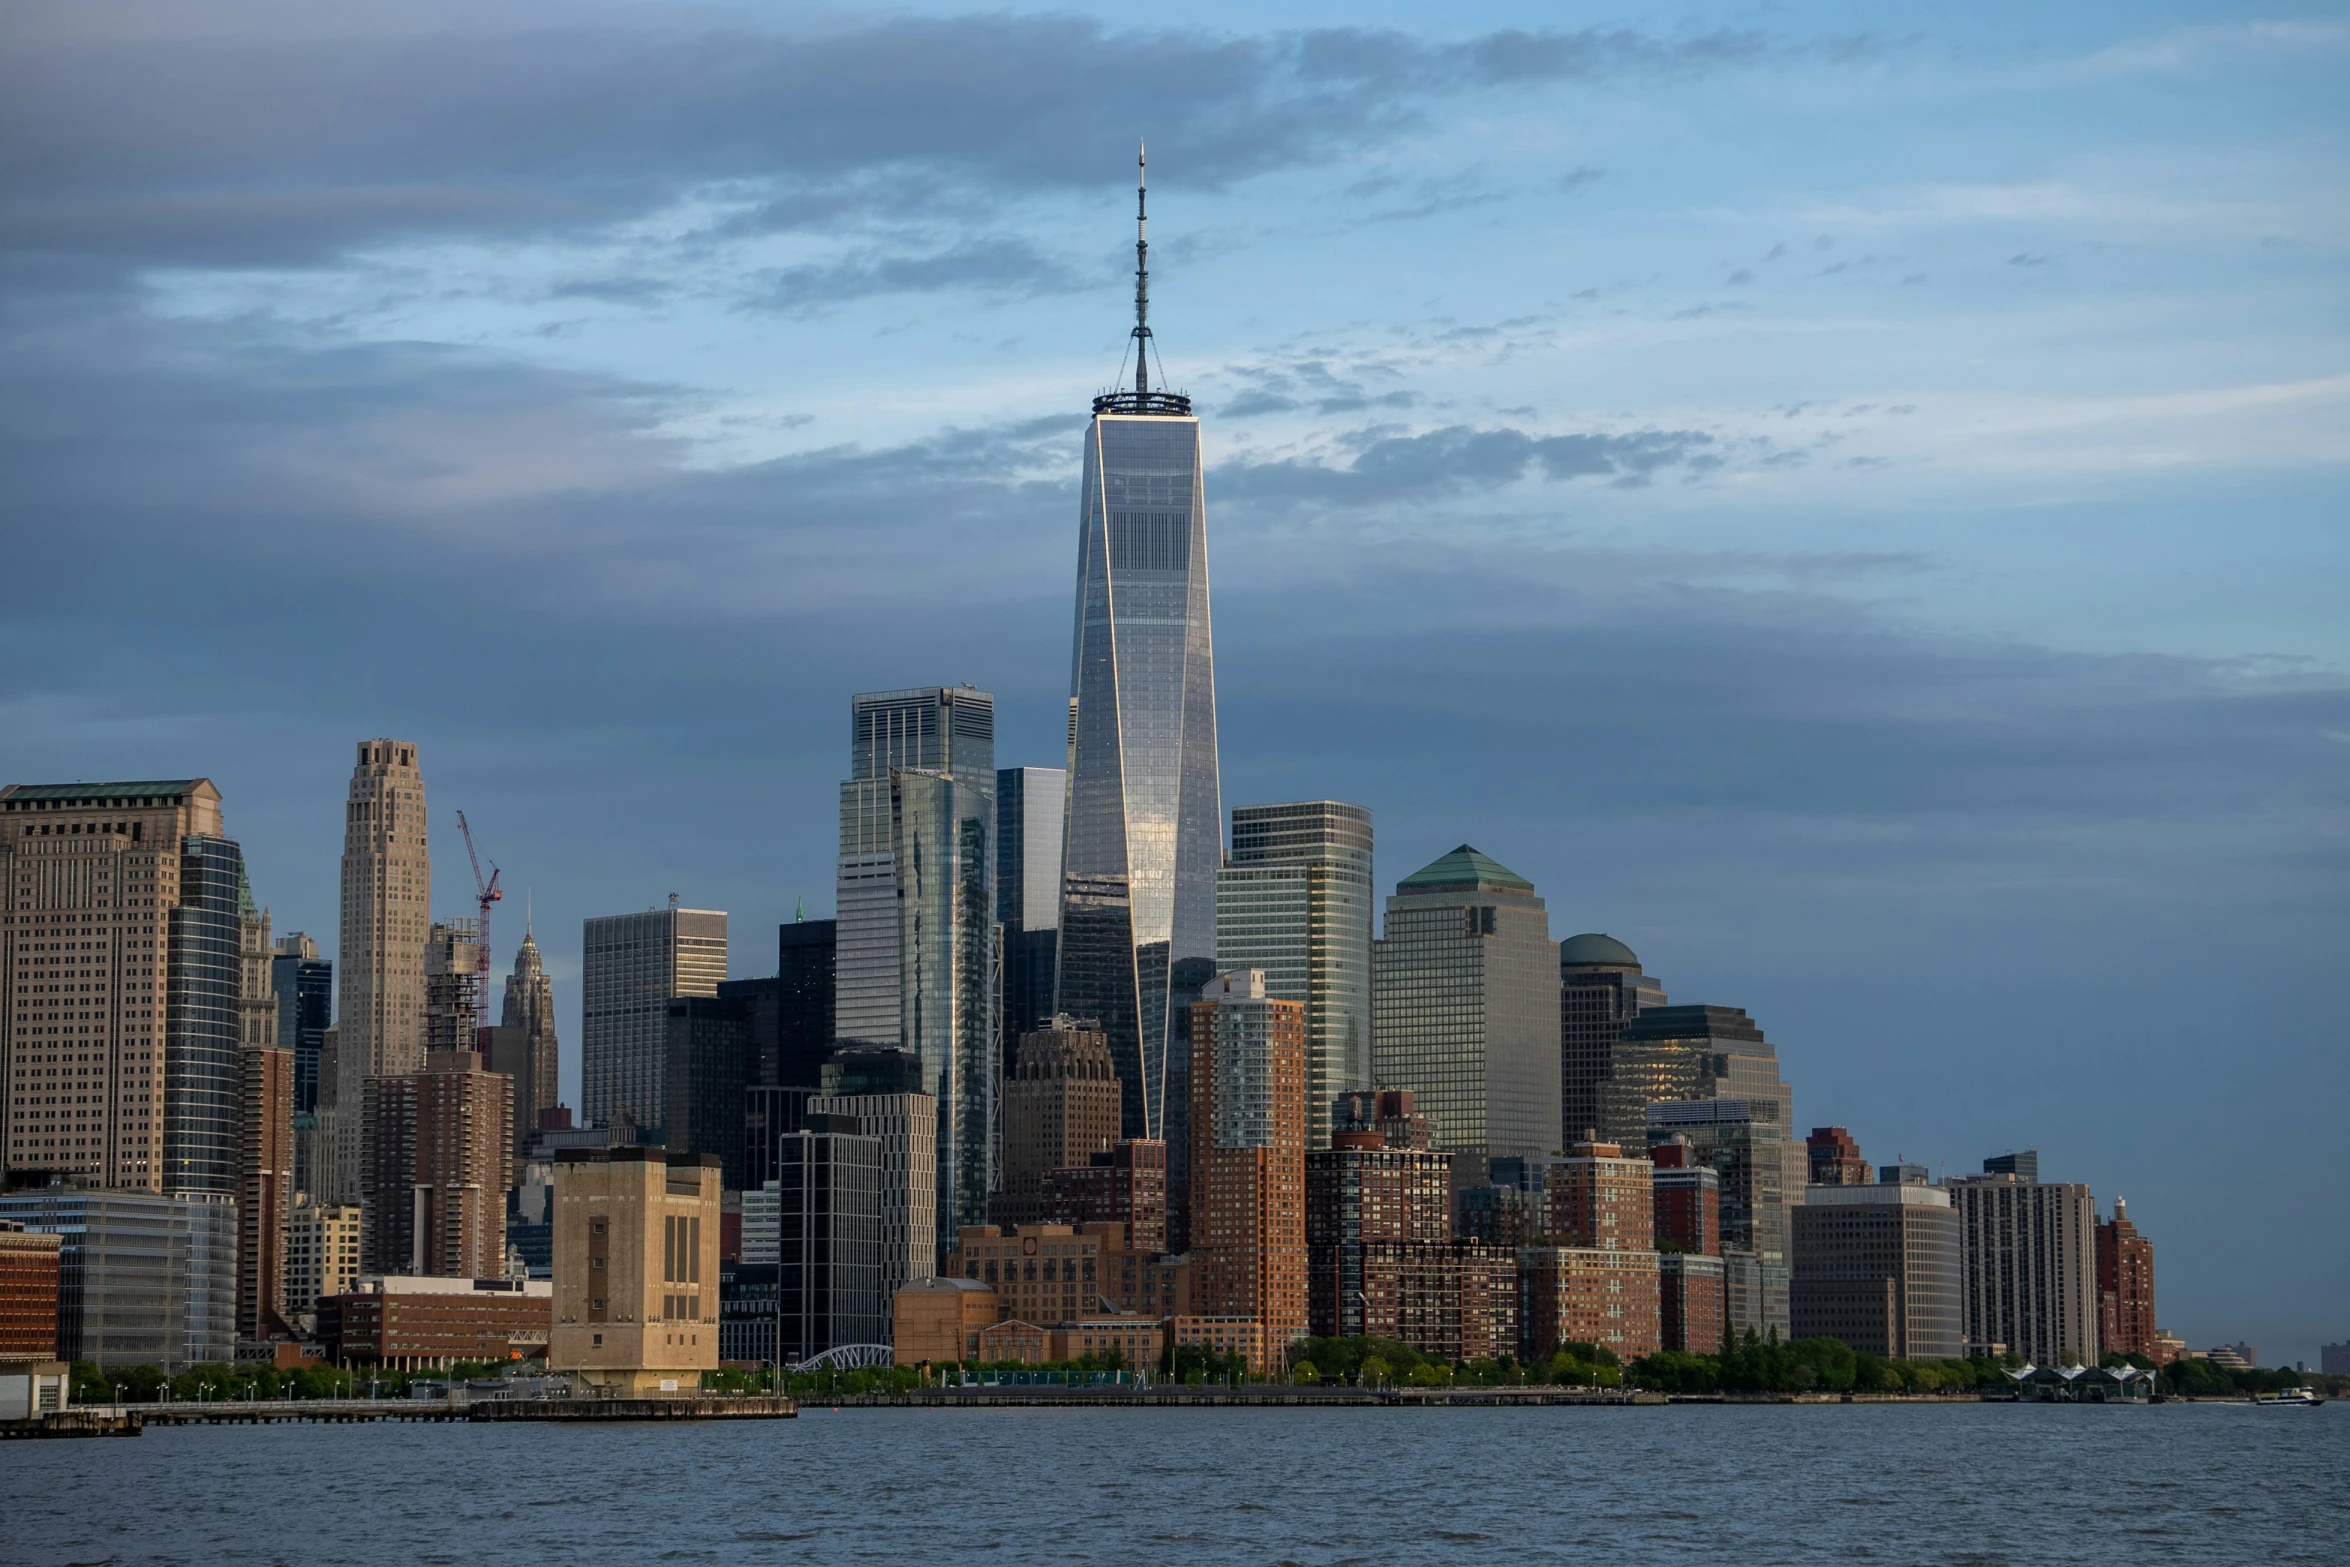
{"x":1170,"y":405}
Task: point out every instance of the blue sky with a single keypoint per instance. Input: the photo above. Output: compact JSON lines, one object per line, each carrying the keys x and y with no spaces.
{"x":1849,"y":499}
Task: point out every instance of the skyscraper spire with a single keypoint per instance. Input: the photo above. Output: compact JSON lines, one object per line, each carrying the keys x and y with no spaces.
{"x":1141,"y":399}
{"x":1143,"y":820}
{"x":1142,"y":271}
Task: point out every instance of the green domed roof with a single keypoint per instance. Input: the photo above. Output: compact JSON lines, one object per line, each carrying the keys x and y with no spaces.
{"x":1592,"y":949}
{"x":1464,"y":868}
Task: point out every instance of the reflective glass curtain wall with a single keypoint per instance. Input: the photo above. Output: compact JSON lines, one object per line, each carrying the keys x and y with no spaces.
{"x":942,"y":729}
{"x":1144,"y":827}
{"x":201,"y":1024}
{"x":945,"y":852}
{"x":305,"y":989}
{"x":1296,"y":903}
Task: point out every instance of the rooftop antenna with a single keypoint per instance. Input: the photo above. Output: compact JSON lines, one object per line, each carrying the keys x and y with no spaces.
{"x":1142,"y":270}
{"x":1142,"y":400}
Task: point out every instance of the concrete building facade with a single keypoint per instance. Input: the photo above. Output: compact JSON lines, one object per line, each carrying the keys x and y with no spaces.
{"x":880,"y":1091}
{"x":1877,"y":1267}
{"x":1744,"y":1142}
{"x":93,"y":944}
{"x":1061,"y":1107}
{"x":828,"y":1247}
{"x":937,"y":1321}
{"x":528,"y":1051}
{"x":2027,"y":1268}
{"x":386,"y":916}
{"x":635,"y":1285}
{"x":143,"y":1278}
{"x":1465,"y":995}
{"x":322,"y":1252}
{"x":631,"y":965}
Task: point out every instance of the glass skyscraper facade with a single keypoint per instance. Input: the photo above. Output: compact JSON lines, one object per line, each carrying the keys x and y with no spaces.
{"x":946,"y":904}
{"x":1030,"y":803}
{"x":948,"y":730}
{"x":201,"y":1021}
{"x":304,"y":984}
{"x":916,"y":959}
{"x":1145,"y":816}
{"x":631,"y":965}
{"x":1601,"y":989}
{"x":1296,"y":904}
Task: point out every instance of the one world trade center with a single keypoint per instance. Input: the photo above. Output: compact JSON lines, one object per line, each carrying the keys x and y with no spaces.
{"x":1145,"y":818}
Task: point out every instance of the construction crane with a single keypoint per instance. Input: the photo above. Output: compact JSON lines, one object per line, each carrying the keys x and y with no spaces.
{"x":486,"y":893}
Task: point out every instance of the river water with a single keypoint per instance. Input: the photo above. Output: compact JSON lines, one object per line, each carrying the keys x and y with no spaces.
{"x":1975,"y":1484}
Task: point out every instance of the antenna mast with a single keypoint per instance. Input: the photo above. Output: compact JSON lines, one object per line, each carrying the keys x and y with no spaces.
{"x":1142,"y":271}
{"x":1142,"y":400}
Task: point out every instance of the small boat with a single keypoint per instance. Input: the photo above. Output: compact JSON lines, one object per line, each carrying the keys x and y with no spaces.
{"x":2290,"y":1396}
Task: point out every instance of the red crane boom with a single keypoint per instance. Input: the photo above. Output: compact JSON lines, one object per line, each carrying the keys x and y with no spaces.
{"x":486,"y":893}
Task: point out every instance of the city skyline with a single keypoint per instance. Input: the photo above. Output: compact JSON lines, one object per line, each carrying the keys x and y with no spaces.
{"x":1941,"y":774}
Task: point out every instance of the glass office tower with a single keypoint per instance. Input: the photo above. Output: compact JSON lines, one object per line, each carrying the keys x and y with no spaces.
{"x":1296,"y":903}
{"x":948,"y":730}
{"x":1029,"y":805}
{"x":201,"y":1023}
{"x":304,"y":984}
{"x":1138,"y":890}
{"x":916,"y":958}
{"x":1145,"y":815}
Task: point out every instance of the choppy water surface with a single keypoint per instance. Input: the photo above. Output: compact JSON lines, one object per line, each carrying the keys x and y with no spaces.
{"x":1975,"y":1484}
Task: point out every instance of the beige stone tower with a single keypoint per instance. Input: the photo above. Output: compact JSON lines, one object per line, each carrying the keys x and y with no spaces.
{"x":1060,"y":1105}
{"x":89,"y":879}
{"x":636,"y":1272}
{"x":387,"y":899}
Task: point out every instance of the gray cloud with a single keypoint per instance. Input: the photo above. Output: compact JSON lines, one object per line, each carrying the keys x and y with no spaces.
{"x":282,"y":145}
{"x":1313,"y":382}
{"x":997,"y":266}
{"x":1395,"y":468}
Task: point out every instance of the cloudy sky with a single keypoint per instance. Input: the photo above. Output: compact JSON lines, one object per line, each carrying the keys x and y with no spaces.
{"x":1848,"y":498}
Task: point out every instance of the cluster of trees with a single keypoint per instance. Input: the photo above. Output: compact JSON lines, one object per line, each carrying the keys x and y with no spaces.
{"x":1806,"y":1365}
{"x":827,"y":1381}
{"x":2202,"y":1379}
{"x":1826,"y":1365}
{"x":1380,"y":1362}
